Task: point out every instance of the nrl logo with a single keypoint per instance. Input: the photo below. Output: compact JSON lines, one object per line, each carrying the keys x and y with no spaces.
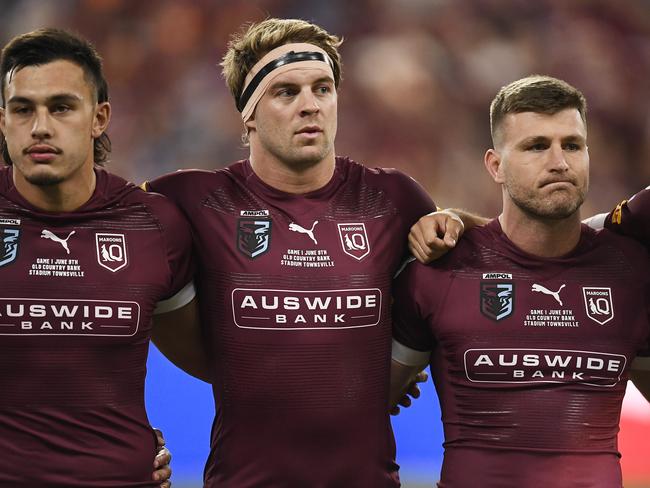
{"x":354,"y":240}
{"x":9,"y":249}
{"x":598,"y":304}
{"x":111,"y":251}
{"x":497,"y":299}
{"x":253,"y":236}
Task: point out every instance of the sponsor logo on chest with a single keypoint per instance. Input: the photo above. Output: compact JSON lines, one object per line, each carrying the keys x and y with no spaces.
{"x":497,"y":301}
{"x":523,"y":365}
{"x":32,"y":316}
{"x":271,"y":309}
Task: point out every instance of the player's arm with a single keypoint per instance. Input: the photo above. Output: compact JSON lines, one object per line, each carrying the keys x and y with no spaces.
{"x":177,"y":334}
{"x":161,"y":463}
{"x":405,"y":371}
{"x":438,"y":232}
{"x":630,"y":218}
{"x":640,"y":375}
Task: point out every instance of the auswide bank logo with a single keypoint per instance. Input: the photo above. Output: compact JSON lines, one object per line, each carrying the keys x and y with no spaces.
{"x":56,"y":317}
{"x":523,"y":365}
{"x":270,"y":309}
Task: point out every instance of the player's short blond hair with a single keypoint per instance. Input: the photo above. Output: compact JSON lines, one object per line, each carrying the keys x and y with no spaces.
{"x":536,"y":93}
{"x":255,"y":40}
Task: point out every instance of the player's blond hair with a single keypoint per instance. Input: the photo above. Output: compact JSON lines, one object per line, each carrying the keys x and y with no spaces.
{"x":255,"y":40}
{"x":536,"y":93}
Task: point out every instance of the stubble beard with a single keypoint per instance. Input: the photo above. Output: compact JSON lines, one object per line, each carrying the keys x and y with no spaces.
{"x":559,"y":205}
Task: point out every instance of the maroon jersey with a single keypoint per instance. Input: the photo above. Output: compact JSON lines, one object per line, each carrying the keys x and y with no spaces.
{"x":77,"y":291}
{"x":295,"y":294}
{"x":530,"y":356}
{"x":632,"y":217}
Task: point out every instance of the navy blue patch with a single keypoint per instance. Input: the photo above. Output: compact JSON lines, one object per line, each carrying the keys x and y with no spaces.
{"x":253,"y":236}
{"x":9,"y":248}
{"x":497,"y":299}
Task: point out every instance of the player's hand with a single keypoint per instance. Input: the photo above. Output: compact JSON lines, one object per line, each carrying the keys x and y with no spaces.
{"x":162,"y":469}
{"x":413,"y":391}
{"x":435,"y":234}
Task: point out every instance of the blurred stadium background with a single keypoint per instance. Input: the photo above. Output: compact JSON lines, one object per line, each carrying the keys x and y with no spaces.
{"x":418,"y":79}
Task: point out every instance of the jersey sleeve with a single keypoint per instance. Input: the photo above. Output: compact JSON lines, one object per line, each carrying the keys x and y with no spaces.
{"x":632,"y":217}
{"x":182,"y":187}
{"x":413,"y":200}
{"x":177,"y":240}
{"x":412,"y":338}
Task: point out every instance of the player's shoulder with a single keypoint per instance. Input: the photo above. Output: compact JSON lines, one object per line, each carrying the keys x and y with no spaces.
{"x":192,"y":185}
{"x":385,"y":177}
{"x":605,"y":240}
{"x":402,"y":190}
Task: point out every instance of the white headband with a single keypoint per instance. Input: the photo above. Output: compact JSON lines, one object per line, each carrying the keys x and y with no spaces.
{"x":277,"y":61}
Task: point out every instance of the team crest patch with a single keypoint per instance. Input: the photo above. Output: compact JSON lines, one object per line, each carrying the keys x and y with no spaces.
{"x":9,"y":249}
{"x":253,"y":236}
{"x":354,"y":240}
{"x":497,"y":299}
{"x":111,"y":251}
{"x":598,"y":304}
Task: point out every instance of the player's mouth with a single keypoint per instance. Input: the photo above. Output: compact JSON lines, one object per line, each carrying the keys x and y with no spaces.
{"x":311,"y":131}
{"x":557,"y":182}
{"x":42,"y":153}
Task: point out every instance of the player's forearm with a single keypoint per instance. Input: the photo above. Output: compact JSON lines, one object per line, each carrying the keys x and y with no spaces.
{"x":177,"y":335}
{"x":469,"y":219}
{"x":401,"y":377}
{"x":641,"y":380}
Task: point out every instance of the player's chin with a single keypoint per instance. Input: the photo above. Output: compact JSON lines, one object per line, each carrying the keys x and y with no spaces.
{"x":43,"y":176}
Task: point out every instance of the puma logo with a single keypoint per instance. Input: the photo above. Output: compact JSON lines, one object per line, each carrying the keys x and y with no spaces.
{"x":302,"y":230}
{"x":546,"y":291}
{"x":46,"y":234}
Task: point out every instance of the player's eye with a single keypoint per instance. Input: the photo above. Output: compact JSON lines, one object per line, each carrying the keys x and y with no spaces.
{"x":572,"y":146}
{"x":21,"y":110}
{"x":538,"y":146}
{"x":60,"y":109}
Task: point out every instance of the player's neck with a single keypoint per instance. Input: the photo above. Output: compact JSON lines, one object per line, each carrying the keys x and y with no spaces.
{"x":292,"y":178}
{"x":66,"y":196}
{"x":545,"y":238}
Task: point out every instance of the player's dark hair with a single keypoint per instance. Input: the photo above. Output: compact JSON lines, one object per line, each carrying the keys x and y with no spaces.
{"x":536,"y":93}
{"x":44,"y":46}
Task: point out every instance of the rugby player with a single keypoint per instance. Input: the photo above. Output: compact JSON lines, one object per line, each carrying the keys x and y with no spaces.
{"x":86,"y":260}
{"x":297,"y":248}
{"x":531,"y":377}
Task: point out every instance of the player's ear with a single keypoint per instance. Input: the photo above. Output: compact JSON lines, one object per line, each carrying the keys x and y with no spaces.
{"x":492,"y":161}
{"x":101,"y":120}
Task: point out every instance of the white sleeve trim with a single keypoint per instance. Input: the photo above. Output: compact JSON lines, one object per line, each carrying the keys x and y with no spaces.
{"x":597,"y":221}
{"x":641,"y":363}
{"x":409,"y":357}
{"x":182,"y":298}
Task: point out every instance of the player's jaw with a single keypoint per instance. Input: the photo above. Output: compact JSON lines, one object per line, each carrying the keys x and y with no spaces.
{"x":552,"y":198}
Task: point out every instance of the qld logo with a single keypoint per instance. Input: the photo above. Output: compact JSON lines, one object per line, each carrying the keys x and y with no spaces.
{"x":497,"y":299}
{"x":354,"y":240}
{"x":253,"y":236}
{"x":111,"y":251}
{"x":9,"y":249}
{"x":598,"y":304}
